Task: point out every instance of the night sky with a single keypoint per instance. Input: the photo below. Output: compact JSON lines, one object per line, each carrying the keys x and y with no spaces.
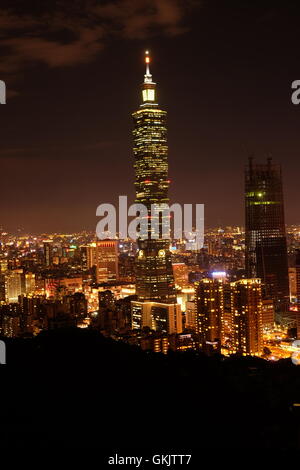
{"x":73,"y":72}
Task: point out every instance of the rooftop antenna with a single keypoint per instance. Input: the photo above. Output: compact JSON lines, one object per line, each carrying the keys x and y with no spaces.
{"x":147,"y":76}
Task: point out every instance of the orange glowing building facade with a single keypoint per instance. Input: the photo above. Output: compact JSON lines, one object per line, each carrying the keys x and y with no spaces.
{"x":107,"y":261}
{"x":246,"y":308}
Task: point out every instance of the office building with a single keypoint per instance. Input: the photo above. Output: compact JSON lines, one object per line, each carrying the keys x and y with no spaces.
{"x":107,"y":261}
{"x":266,"y":248}
{"x":162,"y":317}
{"x":154,"y":275}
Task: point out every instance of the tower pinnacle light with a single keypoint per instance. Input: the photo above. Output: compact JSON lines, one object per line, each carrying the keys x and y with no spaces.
{"x":147,"y":76}
{"x":148,"y":87}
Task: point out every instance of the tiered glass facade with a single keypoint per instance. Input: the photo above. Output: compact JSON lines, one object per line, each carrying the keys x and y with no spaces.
{"x":154,"y":276}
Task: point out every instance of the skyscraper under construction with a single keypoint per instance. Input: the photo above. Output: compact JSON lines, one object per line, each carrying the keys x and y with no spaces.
{"x":154,"y":276}
{"x":266,"y":248}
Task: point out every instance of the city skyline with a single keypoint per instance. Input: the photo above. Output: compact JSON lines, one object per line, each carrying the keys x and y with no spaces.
{"x":61,"y":165}
{"x":149,"y":229}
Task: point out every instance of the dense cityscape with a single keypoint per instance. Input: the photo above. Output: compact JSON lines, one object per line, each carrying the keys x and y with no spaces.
{"x":239,"y":294}
{"x":149,"y":231}
{"x":58,"y":280}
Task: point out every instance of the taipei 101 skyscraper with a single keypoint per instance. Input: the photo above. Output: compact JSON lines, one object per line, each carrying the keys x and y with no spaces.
{"x":154,"y":275}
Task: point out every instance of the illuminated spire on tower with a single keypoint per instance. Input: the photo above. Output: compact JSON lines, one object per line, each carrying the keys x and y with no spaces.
{"x":148,"y":85}
{"x":147,"y":76}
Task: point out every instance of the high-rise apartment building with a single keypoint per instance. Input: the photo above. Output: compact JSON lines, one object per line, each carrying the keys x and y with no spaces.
{"x":293,"y":284}
{"x":48,"y":252}
{"x":13,"y":285}
{"x":10,"y":320}
{"x":90,"y":255}
{"x":268,"y":313}
{"x":230,"y":315}
{"x":29,"y":283}
{"x":298,"y":278}
{"x":191,"y":321}
{"x":209,"y":303}
{"x":297,"y":266}
{"x":181,"y":274}
{"x":246,"y":308}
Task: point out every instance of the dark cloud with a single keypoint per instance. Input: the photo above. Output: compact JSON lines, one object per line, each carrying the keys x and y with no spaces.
{"x":53,"y":53}
{"x":140,"y":18}
{"x":72,"y":34}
